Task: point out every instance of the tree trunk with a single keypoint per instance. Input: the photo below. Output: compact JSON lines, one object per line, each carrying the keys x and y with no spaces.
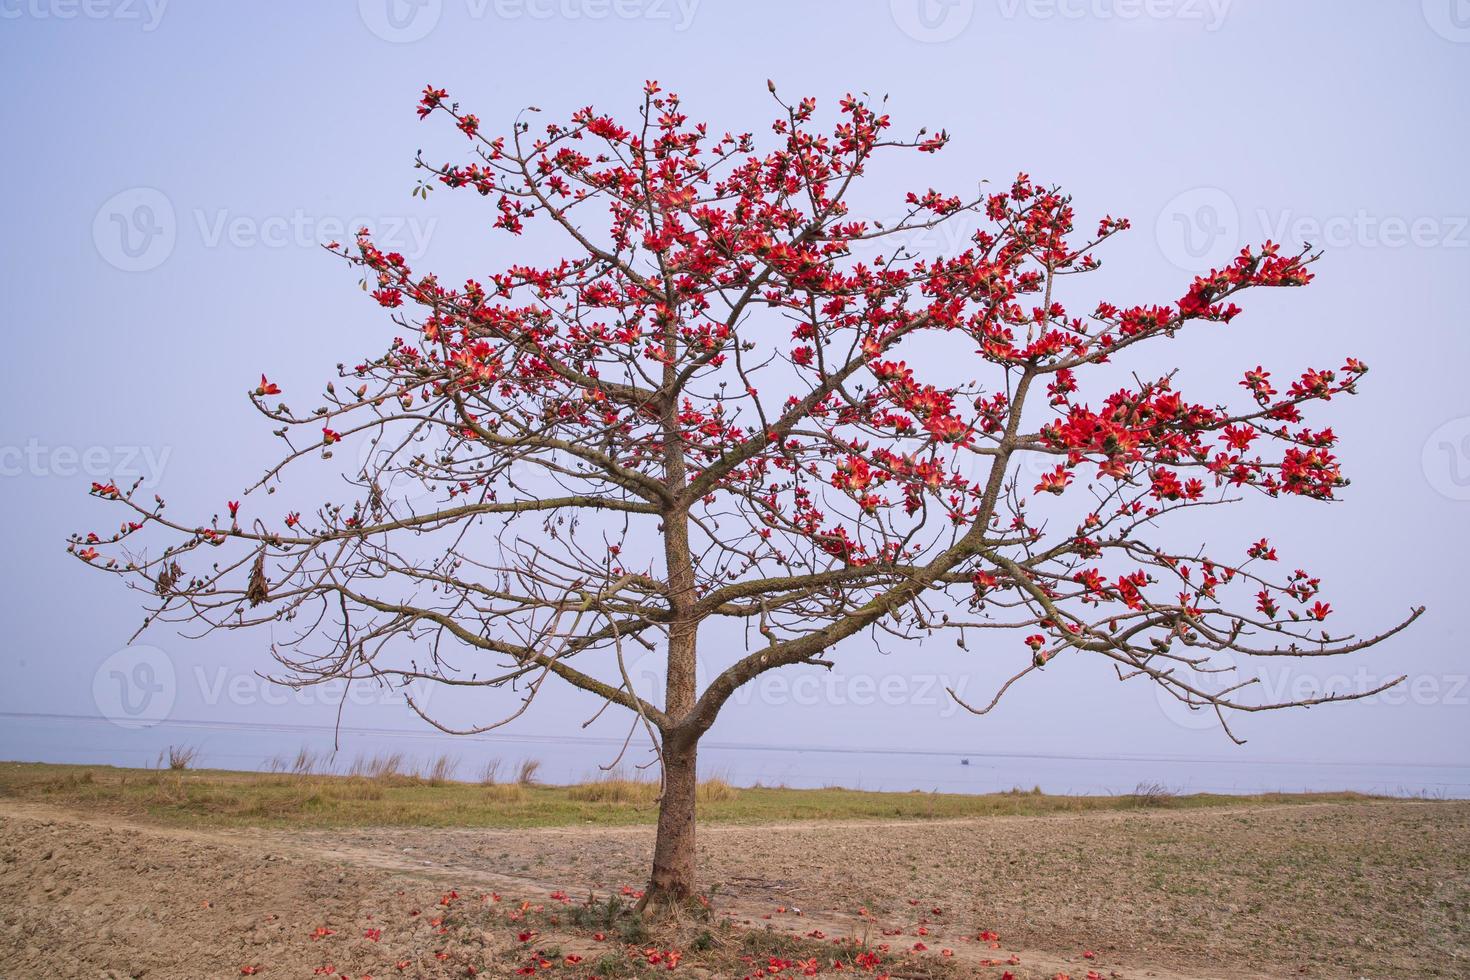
{"x":671,"y":884}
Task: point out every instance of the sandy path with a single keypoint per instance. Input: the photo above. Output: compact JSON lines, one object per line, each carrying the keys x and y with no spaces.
{"x":456,"y":859}
{"x":1319,"y":890}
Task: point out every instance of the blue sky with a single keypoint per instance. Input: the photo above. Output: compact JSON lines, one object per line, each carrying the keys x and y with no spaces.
{"x":170,"y":169}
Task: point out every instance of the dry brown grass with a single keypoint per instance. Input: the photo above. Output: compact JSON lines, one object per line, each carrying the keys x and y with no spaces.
{"x":615,"y":789}
{"x":619,"y":788}
{"x":179,"y":757}
{"x":386,"y":766}
{"x":526,"y":773}
{"x":1154,"y":795}
{"x":376,"y":791}
{"x":441,"y":770}
{"x":716,"y":790}
{"x":303,"y":763}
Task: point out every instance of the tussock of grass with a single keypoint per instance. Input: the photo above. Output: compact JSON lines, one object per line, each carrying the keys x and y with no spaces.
{"x":503,"y":793}
{"x":441,"y":770}
{"x":618,"y":788}
{"x":1154,"y":795}
{"x":526,"y":772}
{"x":716,"y":790}
{"x":615,"y":789}
{"x":389,"y":766}
{"x":379,"y":793}
{"x":179,"y":756}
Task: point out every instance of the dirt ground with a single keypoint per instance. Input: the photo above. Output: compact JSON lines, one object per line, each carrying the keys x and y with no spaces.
{"x":1370,"y":889}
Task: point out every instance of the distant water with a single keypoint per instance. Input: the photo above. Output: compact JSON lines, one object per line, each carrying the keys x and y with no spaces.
{"x":233,"y":745}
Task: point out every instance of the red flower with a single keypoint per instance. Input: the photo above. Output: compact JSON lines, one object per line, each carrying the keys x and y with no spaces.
{"x":431,"y":100}
{"x":1054,"y":482}
{"x":1262,"y":549}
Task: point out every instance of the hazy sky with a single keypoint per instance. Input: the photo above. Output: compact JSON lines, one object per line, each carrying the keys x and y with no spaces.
{"x":171,"y":167}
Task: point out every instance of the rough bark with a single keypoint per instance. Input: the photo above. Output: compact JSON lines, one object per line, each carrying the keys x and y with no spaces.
{"x":671,"y":884}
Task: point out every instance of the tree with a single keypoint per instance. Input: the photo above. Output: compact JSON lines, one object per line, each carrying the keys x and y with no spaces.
{"x":736,"y":403}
